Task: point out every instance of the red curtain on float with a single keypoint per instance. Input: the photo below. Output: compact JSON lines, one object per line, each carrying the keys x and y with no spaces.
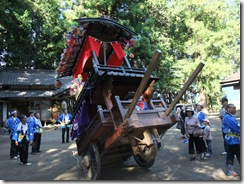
{"x":90,"y":45}
{"x":118,"y":56}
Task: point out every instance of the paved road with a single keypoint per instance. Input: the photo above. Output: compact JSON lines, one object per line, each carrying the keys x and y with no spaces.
{"x":60,"y":161}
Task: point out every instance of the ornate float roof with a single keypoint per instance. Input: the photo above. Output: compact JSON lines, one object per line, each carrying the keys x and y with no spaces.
{"x":104,"y":30}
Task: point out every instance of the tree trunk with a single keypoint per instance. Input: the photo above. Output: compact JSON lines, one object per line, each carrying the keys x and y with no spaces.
{"x":203,"y":101}
{"x":186,"y":97}
{"x":210,"y":103}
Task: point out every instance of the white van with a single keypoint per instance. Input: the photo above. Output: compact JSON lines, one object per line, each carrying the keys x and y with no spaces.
{"x":178,"y":107}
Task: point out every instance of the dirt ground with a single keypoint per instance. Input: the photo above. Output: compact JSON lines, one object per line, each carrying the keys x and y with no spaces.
{"x":60,"y":161}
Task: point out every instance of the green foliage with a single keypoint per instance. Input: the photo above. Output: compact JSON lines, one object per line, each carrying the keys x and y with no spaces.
{"x":209,"y":38}
{"x":34,"y":35}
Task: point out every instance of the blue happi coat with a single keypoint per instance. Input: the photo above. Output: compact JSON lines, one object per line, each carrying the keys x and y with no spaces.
{"x":200,"y":117}
{"x":18,"y":132}
{"x":32,"y":121}
{"x":12,"y":123}
{"x":231,"y":128}
{"x":61,"y":119}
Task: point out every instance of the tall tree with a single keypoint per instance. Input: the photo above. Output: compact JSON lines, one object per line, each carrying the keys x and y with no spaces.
{"x":34,"y":33}
{"x":212,"y":37}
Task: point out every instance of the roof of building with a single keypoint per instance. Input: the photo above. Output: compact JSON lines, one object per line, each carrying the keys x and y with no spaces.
{"x":231,"y":79}
{"x":27,"y":77}
{"x":26,"y":93}
{"x":30,"y":77}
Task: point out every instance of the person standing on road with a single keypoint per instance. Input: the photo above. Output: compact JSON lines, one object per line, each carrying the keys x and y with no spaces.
{"x":12,"y":122}
{"x":65,"y":119}
{"x":31,"y":123}
{"x":200,"y":114}
{"x":23,"y":136}
{"x":31,"y":120}
{"x":182,"y":118}
{"x":207,"y":136}
{"x":224,"y":102}
{"x":192,"y":123}
{"x":37,"y":130}
{"x":231,"y":128}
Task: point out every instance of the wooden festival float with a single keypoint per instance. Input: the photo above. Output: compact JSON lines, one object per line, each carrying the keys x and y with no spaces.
{"x":115,"y":116}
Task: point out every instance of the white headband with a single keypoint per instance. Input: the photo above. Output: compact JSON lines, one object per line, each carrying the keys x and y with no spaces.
{"x":13,"y":112}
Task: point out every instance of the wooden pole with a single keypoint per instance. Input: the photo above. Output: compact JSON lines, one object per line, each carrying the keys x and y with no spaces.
{"x":185,"y":87}
{"x":152,"y":65}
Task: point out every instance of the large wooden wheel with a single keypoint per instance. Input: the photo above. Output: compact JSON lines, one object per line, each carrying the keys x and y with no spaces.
{"x":146,"y":159}
{"x":91,"y":162}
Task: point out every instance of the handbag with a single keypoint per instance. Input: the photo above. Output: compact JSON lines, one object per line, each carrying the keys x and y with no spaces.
{"x":40,"y":130}
{"x":21,"y":137}
{"x":197,"y":132}
{"x":178,"y":126}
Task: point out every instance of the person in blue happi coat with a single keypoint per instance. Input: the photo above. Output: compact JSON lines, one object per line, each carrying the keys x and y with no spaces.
{"x":12,"y":122}
{"x":200,"y":115}
{"x":65,"y":120}
{"x":23,"y":136}
{"x":35,"y":123}
{"x":231,"y":128}
{"x":31,"y":119}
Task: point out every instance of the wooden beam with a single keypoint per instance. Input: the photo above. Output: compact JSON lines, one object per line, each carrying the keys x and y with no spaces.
{"x":113,"y":139}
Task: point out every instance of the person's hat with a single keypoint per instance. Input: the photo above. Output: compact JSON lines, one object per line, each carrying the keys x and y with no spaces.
{"x":199,"y":105}
{"x":224,"y":99}
{"x":206,"y":120}
{"x":190,"y":109}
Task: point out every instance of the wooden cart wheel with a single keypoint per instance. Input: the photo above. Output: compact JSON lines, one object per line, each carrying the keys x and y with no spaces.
{"x":91,"y":162}
{"x":142,"y":161}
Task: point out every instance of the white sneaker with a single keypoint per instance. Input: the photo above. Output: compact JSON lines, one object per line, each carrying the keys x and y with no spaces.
{"x":224,"y":153}
{"x":207,"y":155}
{"x":28,"y":164}
{"x":15,"y":158}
